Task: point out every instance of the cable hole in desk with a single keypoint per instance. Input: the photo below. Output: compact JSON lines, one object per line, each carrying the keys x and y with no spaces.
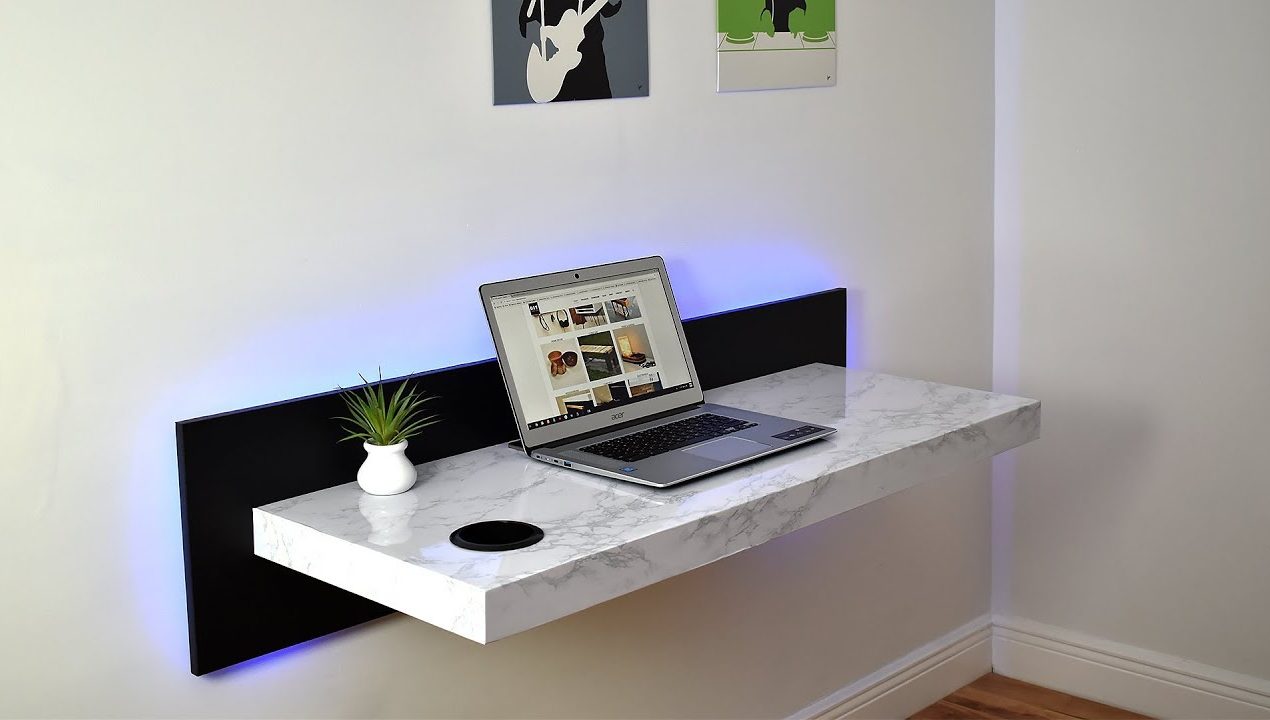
{"x":496,"y":535}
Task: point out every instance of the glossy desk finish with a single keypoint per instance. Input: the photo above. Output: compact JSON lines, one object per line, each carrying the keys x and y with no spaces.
{"x":607,"y":538}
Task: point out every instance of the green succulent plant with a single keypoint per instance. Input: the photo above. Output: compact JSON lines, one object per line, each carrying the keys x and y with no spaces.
{"x":375,"y":418}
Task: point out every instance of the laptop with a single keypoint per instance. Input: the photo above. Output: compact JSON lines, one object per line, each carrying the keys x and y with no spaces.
{"x":601,"y":380}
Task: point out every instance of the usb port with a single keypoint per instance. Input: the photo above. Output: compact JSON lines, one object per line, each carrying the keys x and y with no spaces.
{"x":568,"y":464}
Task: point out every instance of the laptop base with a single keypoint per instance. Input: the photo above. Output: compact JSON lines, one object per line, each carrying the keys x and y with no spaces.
{"x":767,"y":435}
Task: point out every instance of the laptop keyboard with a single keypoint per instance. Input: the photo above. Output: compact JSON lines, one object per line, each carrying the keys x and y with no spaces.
{"x":664,"y":438}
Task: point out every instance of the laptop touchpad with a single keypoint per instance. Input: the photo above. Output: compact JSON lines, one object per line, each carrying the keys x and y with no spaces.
{"x":727,"y":449}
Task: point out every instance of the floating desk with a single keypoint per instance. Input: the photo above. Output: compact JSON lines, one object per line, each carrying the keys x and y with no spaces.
{"x":242,"y":607}
{"x":606,"y":538}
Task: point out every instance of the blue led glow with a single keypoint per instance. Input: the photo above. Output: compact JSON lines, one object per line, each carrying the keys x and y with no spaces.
{"x":155,"y":557}
{"x":277,"y":658}
{"x":435,"y":323}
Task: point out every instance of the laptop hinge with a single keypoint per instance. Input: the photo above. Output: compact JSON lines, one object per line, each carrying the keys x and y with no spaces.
{"x":517,"y":445}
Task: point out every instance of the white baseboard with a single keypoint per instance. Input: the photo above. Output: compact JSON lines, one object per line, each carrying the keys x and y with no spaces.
{"x":1129,"y":677}
{"x":914,"y":681}
{"x":1113,"y":673}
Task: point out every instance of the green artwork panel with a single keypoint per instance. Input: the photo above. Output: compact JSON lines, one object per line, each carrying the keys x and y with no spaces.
{"x":776,"y":44}
{"x":741,"y":20}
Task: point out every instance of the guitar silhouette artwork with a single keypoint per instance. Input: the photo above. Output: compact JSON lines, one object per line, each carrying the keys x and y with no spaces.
{"x":572,"y":45}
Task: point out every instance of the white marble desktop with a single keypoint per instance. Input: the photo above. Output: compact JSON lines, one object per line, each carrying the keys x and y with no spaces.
{"x":605,"y":538}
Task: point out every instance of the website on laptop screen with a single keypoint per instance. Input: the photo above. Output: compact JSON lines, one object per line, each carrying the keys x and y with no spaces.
{"x":575,"y":349}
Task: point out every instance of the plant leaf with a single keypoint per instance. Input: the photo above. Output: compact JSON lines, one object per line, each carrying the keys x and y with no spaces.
{"x":376,"y":417}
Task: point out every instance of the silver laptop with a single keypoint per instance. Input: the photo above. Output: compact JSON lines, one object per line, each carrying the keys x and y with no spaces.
{"x":601,"y":380}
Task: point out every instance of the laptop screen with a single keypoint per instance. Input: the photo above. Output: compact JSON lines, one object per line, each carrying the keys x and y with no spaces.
{"x":580,"y":348}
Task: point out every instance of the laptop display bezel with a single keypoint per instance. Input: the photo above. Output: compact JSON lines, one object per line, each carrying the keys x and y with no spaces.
{"x":598,"y":421}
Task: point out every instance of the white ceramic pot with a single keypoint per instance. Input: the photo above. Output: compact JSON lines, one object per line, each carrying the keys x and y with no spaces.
{"x":386,"y":470}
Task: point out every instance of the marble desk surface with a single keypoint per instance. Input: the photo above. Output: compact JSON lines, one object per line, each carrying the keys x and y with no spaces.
{"x":605,"y":538}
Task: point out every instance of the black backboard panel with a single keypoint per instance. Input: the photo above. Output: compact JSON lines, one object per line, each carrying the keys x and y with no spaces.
{"x":241,"y":606}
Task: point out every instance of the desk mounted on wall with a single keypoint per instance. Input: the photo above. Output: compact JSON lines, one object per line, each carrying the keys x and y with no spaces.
{"x":241,"y":606}
{"x":594,"y":540}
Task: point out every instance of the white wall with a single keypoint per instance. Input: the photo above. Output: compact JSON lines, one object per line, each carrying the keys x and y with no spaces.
{"x":1137,"y":135}
{"x":207,"y":205}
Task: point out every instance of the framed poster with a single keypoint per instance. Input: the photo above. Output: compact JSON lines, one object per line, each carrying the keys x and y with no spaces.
{"x":561,"y":50}
{"x":776,"y":44}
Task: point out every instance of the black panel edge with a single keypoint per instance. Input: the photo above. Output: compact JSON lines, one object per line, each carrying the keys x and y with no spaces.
{"x":240,"y":607}
{"x":190,"y":597}
{"x":329,"y":393}
{"x":832,"y":297}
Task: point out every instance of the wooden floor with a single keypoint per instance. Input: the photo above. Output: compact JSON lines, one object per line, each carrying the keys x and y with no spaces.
{"x":998,"y":697}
